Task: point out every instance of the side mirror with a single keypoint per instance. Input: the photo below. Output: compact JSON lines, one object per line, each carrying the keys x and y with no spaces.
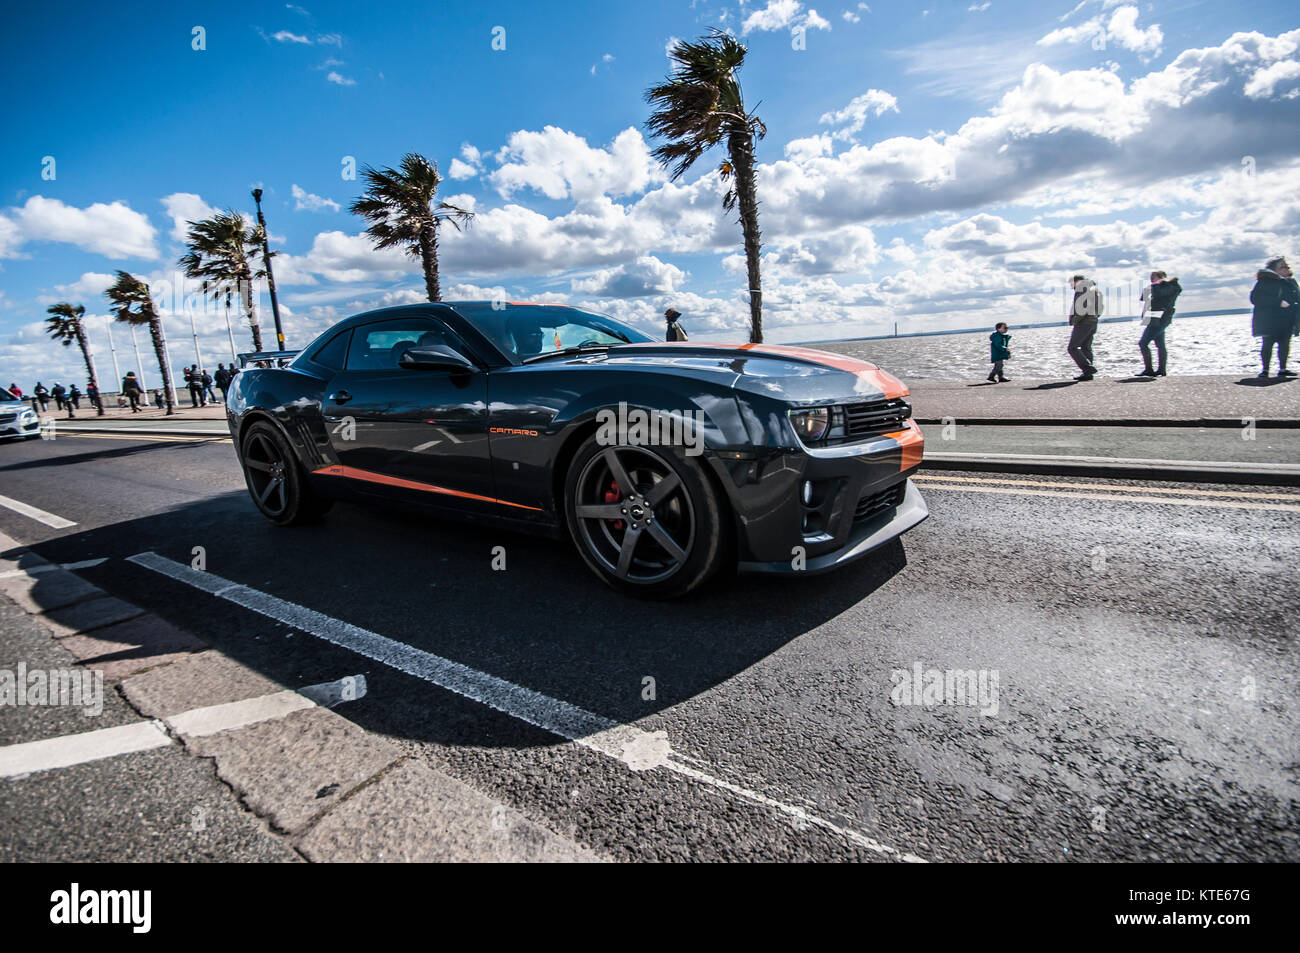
{"x":435,"y":357}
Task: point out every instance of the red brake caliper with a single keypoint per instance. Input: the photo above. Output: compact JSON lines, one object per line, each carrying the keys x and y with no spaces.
{"x":612,"y":495}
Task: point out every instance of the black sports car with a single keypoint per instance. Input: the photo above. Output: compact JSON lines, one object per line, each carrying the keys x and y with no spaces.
{"x":662,"y":462}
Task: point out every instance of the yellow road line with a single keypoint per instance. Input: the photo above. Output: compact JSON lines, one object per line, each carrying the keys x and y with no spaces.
{"x":1122,"y":498}
{"x":1109,"y":486}
{"x":179,"y":438}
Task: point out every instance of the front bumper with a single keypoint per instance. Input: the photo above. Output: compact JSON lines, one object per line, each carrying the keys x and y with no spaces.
{"x":19,"y":428}
{"x":865,"y":537}
{"x":824,"y":506}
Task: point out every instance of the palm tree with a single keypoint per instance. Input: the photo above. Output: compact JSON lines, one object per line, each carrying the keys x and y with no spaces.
{"x":219,"y":254}
{"x":399,"y":207}
{"x":65,"y":326}
{"x":129,"y":291}
{"x":698,"y":107}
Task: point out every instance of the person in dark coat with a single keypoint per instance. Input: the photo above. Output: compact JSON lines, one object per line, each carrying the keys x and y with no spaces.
{"x":675,"y":330}
{"x":1158,"y":299}
{"x":57,"y":392}
{"x":131,"y":391}
{"x":39,"y":393}
{"x":1084,"y":312}
{"x":1276,"y":317}
{"x":999,"y":351}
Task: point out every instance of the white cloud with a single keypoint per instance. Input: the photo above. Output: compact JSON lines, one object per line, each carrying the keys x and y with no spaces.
{"x":339,"y":79}
{"x":978,"y":7}
{"x":284,"y":36}
{"x":113,"y":230}
{"x":305,"y":201}
{"x":783,"y":15}
{"x":1122,"y":29}
{"x":853,"y":117}
{"x":646,"y":275}
{"x":560,"y":164}
{"x":183,"y":208}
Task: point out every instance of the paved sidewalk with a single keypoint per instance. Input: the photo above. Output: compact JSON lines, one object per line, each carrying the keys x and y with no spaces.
{"x":300,"y":781}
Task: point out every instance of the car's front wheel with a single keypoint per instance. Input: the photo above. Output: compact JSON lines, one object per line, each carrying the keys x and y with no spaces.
{"x":275,"y":481}
{"x":645,"y":519}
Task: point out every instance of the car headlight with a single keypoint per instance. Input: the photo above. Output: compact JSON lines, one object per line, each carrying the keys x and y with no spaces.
{"x":27,"y":415}
{"x":811,"y":425}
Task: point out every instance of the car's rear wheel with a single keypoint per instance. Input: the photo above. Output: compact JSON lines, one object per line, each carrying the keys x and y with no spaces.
{"x":645,"y":519}
{"x":275,"y":481}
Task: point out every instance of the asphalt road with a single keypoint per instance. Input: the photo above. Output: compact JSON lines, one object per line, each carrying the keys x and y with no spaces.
{"x":1142,"y":639}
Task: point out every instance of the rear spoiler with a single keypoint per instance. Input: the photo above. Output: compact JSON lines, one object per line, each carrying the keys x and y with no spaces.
{"x":267,"y":358}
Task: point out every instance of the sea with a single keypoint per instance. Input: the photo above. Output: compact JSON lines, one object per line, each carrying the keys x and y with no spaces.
{"x":1220,"y":344}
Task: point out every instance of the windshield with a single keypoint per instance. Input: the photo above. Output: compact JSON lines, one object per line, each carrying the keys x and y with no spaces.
{"x":6,"y":395}
{"x":528,"y":330}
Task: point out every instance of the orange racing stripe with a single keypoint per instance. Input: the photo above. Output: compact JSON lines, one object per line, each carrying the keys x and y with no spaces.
{"x":883,"y":381}
{"x":352,"y":473}
{"x":912,"y":443}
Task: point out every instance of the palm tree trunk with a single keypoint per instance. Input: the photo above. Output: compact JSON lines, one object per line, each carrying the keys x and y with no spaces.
{"x":251,"y":310}
{"x":160,"y":350}
{"x":90,"y":368}
{"x":741,"y":147}
{"x":429,"y":259}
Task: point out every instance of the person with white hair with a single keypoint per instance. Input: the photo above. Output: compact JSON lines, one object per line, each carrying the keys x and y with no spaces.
{"x":1276,"y":317}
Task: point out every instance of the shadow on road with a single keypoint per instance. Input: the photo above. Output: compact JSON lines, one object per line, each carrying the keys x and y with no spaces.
{"x":545,"y":622}
{"x":106,"y":454}
{"x":1262,"y":381}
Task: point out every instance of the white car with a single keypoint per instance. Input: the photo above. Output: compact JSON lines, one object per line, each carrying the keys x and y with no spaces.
{"x":17,"y":419}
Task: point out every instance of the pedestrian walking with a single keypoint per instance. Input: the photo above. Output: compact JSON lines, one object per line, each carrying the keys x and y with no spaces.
{"x":999,"y":351}
{"x":16,"y":391}
{"x":41,"y":393}
{"x":207,"y":387}
{"x":131,"y":390}
{"x":58,"y":392}
{"x":1276,"y":317}
{"x":92,"y":394}
{"x":195,"y":382}
{"x":1157,"y":314}
{"x":74,"y":397}
{"x":675,"y":330}
{"x":223,"y":377}
{"x":1085,"y":309}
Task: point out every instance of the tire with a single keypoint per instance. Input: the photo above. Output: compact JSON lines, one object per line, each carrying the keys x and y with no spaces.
{"x":275,"y":480}
{"x":661,"y":540}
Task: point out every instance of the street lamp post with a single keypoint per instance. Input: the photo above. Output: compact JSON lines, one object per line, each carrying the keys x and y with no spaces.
{"x":270,"y":278}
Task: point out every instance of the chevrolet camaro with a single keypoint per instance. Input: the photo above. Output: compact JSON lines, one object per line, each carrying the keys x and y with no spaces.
{"x":662,"y":462}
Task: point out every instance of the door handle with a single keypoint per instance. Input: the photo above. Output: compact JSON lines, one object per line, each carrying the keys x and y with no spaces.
{"x":340,"y":397}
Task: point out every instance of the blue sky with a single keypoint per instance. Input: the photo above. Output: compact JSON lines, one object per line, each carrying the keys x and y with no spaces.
{"x":939,"y":165}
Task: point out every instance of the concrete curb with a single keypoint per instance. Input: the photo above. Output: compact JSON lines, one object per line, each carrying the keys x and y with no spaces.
{"x":1189,"y":471}
{"x":222,"y":434}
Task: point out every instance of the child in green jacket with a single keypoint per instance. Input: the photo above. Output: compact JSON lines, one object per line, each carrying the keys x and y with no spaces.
{"x":999,"y":352}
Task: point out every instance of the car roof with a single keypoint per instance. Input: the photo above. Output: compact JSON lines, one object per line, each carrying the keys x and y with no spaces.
{"x":437,"y":307}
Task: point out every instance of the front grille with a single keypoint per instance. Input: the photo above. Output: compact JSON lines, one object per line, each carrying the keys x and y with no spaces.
{"x":8,"y":418}
{"x":876,"y":417}
{"x":873,"y":504}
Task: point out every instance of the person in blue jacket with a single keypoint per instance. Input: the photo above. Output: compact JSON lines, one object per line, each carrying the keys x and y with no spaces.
{"x":999,"y":351}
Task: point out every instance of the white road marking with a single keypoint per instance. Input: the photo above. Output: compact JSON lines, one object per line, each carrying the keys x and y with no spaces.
{"x":49,"y":519}
{"x":639,"y":750}
{"x":65,"y":751}
{"x":199,"y":722}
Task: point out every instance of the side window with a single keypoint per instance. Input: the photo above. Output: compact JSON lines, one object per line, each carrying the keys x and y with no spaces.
{"x":334,"y":351}
{"x":378,"y":347}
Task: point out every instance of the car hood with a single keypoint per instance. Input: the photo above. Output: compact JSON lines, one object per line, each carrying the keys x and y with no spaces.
{"x":796,"y":374}
{"x":10,"y":406}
